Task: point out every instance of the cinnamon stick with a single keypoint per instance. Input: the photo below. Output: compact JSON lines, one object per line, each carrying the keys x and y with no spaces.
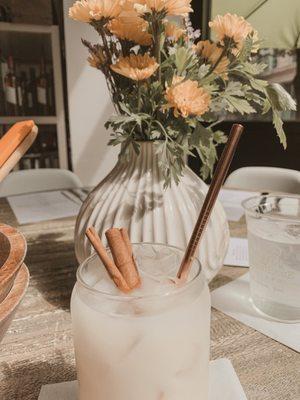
{"x":109,"y":265}
{"x":121,"y":250}
{"x":127,"y":241}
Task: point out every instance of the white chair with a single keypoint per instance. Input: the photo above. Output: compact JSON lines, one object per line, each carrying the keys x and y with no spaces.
{"x":38,"y":180}
{"x":265,"y":179}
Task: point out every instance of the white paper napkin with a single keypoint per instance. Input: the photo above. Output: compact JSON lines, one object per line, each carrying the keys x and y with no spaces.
{"x":224,"y":382}
{"x":234,"y":300}
{"x":44,"y":206}
{"x":224,"y":385}
{"x":237,"y":254}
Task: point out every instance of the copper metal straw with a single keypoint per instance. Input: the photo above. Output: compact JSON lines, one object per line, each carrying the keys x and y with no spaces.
{"x":210,"y":199}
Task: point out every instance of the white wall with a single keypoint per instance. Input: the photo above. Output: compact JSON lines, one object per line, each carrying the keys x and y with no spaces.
{"x":89,"y":106}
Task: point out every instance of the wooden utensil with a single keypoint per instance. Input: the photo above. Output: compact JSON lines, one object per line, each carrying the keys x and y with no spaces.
{"x":12,"y":253}
{"x":14,"y":144}
{"x":10,"y":304}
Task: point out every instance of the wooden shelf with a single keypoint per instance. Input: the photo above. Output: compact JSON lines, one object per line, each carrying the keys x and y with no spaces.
{"x":13,"y":27}
{"x":59,"y":119}
{"x":39,"y":120}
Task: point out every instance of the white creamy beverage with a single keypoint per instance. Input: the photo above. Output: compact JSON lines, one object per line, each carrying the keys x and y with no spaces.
{"x":153,"y":344}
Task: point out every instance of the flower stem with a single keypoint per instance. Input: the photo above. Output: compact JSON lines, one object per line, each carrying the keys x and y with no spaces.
{"x":109,"y":75}
{"x":139,"y":98}
{"x":157,"y":39}
{"x":213,"y":67}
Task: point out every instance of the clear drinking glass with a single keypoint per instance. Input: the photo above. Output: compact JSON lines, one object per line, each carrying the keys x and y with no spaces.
{"x":273,"y":225}
{"x":150,"y":345}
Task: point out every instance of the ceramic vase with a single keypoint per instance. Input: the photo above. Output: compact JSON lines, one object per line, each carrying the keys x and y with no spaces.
{"x":133,"y":196}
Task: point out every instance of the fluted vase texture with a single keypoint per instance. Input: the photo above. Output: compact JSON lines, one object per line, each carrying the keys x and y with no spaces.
{"x":132,"y":196}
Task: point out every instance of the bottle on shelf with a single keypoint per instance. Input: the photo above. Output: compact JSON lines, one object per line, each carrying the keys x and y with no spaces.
{"x":21,"y":92}
{"x":51,"y":90}
{"x":5,"y":13}
{"x":11,"y":92}
{"x":3,"y":72}
{"x":43,"y":88}
{"x":31,"y":89}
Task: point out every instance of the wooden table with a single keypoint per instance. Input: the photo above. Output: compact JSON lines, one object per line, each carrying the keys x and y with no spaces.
{"x":38,"y":347}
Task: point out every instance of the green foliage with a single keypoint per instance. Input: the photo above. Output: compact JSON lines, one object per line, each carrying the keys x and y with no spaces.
{"x":278,"y":124}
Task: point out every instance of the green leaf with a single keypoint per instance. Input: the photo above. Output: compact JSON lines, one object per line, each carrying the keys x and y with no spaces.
{"x":279,"y":98}
{"x":203,"y":70}
{"x":155,"y":134}
{"x":240,"y":105}
{"x":124,"y":108}
{"x":278,"y":124}
{"x":201,"y":136}
{"x":219,"y":137}
{"x":254,"y":68}
{"x":245,"y":53}
{"x":258,"y":84}
{"x":184,"y":59}
{"x":266,"y":106}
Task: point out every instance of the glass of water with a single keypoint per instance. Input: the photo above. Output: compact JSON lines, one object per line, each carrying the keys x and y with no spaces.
{"x":273,"y":225}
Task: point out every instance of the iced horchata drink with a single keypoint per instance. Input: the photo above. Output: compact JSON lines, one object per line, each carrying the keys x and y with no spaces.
{"x":150,"y":344}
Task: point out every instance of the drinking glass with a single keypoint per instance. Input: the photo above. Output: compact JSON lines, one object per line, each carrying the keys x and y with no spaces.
{"x":152,"y":344}
{"x":273,"y":225}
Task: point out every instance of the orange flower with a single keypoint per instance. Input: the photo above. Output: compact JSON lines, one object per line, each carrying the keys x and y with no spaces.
{"x":88,"y":10}
{"x":211,"y":52}
{"x":187,"y":98}
{"x":80,"y":11}
{"x":173,"y":31}
{"x":131,"y":28}
{"x":171,"y":7}
{"x":136,"y":67}
{"x":231,"y":26}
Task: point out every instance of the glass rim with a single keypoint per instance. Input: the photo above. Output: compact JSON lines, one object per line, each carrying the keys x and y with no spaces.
{"x":126,"y":297}
{"x":277,"y":217}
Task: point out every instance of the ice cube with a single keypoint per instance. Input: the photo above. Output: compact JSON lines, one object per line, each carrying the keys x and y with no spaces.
{"x":107,"y":286}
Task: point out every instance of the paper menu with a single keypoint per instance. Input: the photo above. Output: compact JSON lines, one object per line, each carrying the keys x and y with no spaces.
{"x":237,"y":254}
{"x":43,"y":206}
{"x":234,"y":299}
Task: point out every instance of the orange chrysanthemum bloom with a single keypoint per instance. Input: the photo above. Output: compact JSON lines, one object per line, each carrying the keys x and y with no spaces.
{"x":187,"y":98}
{"x":136,"y":67}
{"x":88,"y":10}
{"x":173,"y":31}
{"x":80,"y":11}
{"x":231,"y":26}
{"x":131,"y":28}
{"x":212,"y":53}
{"x":171,"y":7}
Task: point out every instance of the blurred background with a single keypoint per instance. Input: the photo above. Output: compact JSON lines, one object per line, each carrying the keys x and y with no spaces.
{"x":44,"y":76}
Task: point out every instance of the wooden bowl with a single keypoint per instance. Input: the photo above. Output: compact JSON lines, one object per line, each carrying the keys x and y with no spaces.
{"x":10,"y":304}
{"x":12,"y":253}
